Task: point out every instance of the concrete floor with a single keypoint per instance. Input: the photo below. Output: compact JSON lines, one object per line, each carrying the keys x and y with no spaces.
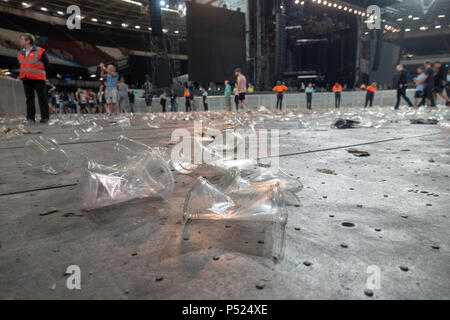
{"x":144,"y":250}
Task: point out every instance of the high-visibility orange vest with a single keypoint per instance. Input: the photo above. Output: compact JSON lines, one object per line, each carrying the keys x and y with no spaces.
{"x":363,"y":87}
{"x":337,"y":88}
{"x":372,"y":89}
{"x":280,"y":88}
{"x":187,"y":94}
{"x":32,"y":67}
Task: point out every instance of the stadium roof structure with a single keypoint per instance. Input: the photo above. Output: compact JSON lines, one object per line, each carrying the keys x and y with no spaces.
{"x":129,"y":14}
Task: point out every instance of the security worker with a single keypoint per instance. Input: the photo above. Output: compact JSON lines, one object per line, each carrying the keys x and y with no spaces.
{"x":337,"y":89}
{"x":280,"y":89}
{"x":33,"y":62}
{"x":370,"y":94}
{"x":188,"y":98}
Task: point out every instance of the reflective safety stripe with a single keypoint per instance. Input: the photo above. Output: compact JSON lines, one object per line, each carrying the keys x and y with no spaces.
{"x":33,"y":70}
{"x":28,"y":61}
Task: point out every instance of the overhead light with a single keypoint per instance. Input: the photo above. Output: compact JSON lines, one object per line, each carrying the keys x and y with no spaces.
{"x":60,"y":13}
{"x":44,"y":9}
{"x":149,"y":28}
{"x":108,"y":22}
{"x":94,"y":19}
{"x":162,"y":3}
{"x":407,"y":30}
{"x":437,"y":27}
{"x":177,"y":32}
{"x":399,"y":19}
{"x":124,"y":25}
{"x":137,"y":27}
{"x":441,"y":16}
{"x":416,"y":18}
{"x":133,"y":2}
{"x":424,"y":28}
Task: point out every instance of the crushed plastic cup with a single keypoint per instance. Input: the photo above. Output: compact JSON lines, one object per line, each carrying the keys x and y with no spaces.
{"x":132,"y":147}
{"x":205,"y":201}
{"x":45,"y":153}
{"x":143,"y":175}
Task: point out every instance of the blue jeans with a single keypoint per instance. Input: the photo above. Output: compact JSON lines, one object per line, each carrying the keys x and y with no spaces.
{"x":174,"y":107}
{"x":427,"y":94}
{"x":131,"y":107}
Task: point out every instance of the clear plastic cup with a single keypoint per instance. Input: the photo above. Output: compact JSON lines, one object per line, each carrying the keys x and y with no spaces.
{"x":45,"y":153}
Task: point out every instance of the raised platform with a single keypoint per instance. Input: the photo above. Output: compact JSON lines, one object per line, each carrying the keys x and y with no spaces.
{"x":397,"y":199}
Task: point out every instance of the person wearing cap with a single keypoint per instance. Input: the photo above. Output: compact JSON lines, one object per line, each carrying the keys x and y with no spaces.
{"x":33,"y":62}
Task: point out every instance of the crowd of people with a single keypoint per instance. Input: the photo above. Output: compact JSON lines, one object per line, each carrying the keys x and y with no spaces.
{"x":87,"y":100}
{"x":114,"y":96}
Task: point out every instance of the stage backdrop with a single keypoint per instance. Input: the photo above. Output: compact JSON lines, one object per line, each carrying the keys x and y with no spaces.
{"x":216,"y":43}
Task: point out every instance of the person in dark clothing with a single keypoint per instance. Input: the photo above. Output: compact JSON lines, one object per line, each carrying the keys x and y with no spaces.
{"x":205,"y":99}
{"x":187,"y":97}
{"x":49,"y":89}
{"x":131,"y":99}
{"x":428,"y":81}
{"x":309,"y":93}
{"x":402,"y":85}
{"x":33,"y":65}
{"x":173,"y":101}
{"x":163,"y":101}
{"x":440,"y":77}
{"x":280,"y":89}
{"x":370,"y":95}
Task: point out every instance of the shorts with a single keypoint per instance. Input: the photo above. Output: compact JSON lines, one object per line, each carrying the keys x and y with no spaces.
{"x":111,"y":95}
{"x":228,"y":101}
{"x":438,"y":89}
{"x":418,"y":94}
{"x":242,"y":96}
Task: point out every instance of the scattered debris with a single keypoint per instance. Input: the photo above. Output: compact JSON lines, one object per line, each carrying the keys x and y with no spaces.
{"x":260,"y":285}
{"x":404,"y":269}
{"x":326,"y":171}
{"x":49,"y":211}
{"x":345,"y":124}
{"x":425,"y":121}
{"x":368,"y":293}
{"x":358,"y":153}
{"x":72,"y":214}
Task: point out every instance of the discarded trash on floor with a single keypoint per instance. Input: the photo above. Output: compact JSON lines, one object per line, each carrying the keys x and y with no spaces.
{"x":425,"y":121}
{"x":358,"y":153}
{"x":142,"y":175}
{"x":205,"y":201}
{"x":45,"y":153}
{"x":345,"y":124}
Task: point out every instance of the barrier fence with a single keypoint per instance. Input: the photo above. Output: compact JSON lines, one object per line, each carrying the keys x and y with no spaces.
{"x":12,"y":100}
